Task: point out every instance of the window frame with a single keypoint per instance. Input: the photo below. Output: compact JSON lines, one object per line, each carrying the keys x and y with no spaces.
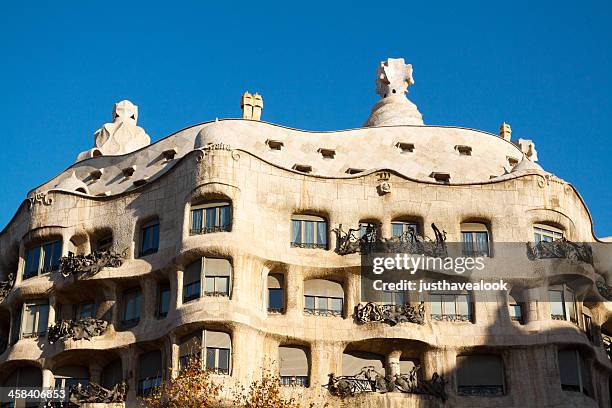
{"x":316,"y":222}
{"x":451,"y":317}
{"x":203,"y":353}
{"x":513,"y":304}
{"x":584,"y":378}
{"x":37,"y":320}
{"x":162,"y":287}
{"x":129,"y":323}
{"x":155,"y":227}
{"x":472,"y":232}
{"x":316,"y":311}
{"x":201,"y":282}
{"x":41,"y":252}
{"x":543,"y":230}
{"x":202,"y":209}
{"x":462,"y":390}
{"x":566,"y":291}
{"x":406,"y":226}
{"x":78,"y":309}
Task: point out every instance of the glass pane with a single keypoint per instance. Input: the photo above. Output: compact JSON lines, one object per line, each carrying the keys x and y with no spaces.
{"x":322,"y":233}
{"x":275,"y":299}
{"x":57,"y":254}
{"x":309,"y":302}
{"x":210,"y":357}
{"x":463,"y":305}
{"x":308,"y":232}
{"x":30,"y":319}
{"x":164,"y":301}
{"x":388,"y":298}
{"x":400,"y":298}
{"x":85,"y":310}
{"x":209,"y":285}
{"x":482,"y":243}
{"x":211,"y":218}
{"x":557,"y":310}
{"x":224,"y":217}
{"x":448,"y":304}
{"x":436,"y":304}
{"x":322,"y":303}
{"x":296,"y":232}
{"x":223,"y":363}
{"x":191,"y":291}
{"x":43,"y":318}
{"x":336,"y":305}
{"x":222,"y":285}
{"x":397,"y":229}
{"x":196,"y":221}
{"x":155,"y":238}
{"x":32,"y":262}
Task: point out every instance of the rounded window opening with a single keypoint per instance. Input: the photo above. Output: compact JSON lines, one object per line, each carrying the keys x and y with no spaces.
{"x":211,"y":216}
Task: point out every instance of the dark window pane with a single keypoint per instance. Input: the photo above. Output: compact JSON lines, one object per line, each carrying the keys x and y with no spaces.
{"x":275,"y":299}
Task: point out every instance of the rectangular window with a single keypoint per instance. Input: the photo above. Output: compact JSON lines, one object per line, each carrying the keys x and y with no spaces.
{"x":163,"y":300}
{"x":405,"y":231}
{"x":480,"y":375}
{"x":217,"y":359}
{"x":323,"y":305}
{"x":275,"y":300}
{"x":573,"y":372}
{"x":516,"y":311}
{"x":35,"y":319}
{"x":149,"y":239}
{"x":475,"y":244}
{"x":212,"y":217}
{"x":563,"y":303}
{"x":131,"y":307}
{"x":192,"y":281}
{"x":309,"y":232}
{"x":452,"y":307}
{"x":394,"y":298}
{"x":545,"y":233}
{"x":42,"y":259}
{"x":217,"y":286}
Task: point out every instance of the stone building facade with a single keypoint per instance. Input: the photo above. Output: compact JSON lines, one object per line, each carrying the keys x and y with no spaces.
{"x":230,"y":238}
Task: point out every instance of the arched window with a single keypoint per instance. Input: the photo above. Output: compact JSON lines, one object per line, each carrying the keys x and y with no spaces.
{"x":276,"y":293}
{"x":150,"y":369}
{"x":213,"y":216}
{"x":480,"y":375}
{"x":210,"y":276}
{"x":42,"y":258}
{"x":475,"y":239}
{"x":574,"y":372}
{"x":212,"y":348}
{"x":308,"y":231}
{"x":323,"y":297}
{"x":294,"y":365}
{"x":546,"y":233}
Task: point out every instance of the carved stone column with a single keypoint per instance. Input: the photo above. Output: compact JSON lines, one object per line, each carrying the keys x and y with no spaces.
{"x":48,"y":380}
{"x":294,"y":287}
{"x":179,"y":288}
{"x":149,"y":292}
{"x":392,"y":363}
{"x":128,"y":364}
{"x":53,"y":307}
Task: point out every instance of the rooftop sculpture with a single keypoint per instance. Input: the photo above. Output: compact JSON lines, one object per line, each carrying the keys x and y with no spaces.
{"x":121,"y":136}
{"x":393,"y":77}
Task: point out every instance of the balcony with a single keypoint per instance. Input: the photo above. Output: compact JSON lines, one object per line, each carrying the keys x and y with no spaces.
{"x":294,"y":381}
{"x":560,"y":249}
{"x":390,"y":314}
{"x":6,"y":286}
{"x":369,"y":380}
{"x":89,"y":265}
{"x":86,"y":328}
{"x":210,"y":229}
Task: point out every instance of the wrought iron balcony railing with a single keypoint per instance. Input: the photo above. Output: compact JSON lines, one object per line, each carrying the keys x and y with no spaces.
{"x":294,"y":381}
{"x":369,"y":380}
{"x":309,"y":245}
{"x":96,"y":394}
{"x":560,"y":249}
{"x":6,"y":286}
{"x":390,"y":314}
{"x":322,"y":312}
{"x":89,"y":264}
{"x":606,"y":342}
{"x":445,"y":317}
{"x":351,"y":241}
{"x":76,"y":330}
{"x":210,"y":229}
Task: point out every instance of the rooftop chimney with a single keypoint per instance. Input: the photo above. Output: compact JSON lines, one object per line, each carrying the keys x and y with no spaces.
{"x":251,"y":106}
{"x":505,"y":131}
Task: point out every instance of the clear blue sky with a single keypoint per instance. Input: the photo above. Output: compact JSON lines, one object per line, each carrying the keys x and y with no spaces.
{"x":544,"y":67}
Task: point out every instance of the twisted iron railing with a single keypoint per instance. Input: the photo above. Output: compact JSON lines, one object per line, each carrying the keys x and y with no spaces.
{"x":390,"y":314}
{"x":6,"y":286}
{"x":369,"y":380}
{"x":89,"y":264}
{"x":76,"y":330}
{"x":560,"y":249}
